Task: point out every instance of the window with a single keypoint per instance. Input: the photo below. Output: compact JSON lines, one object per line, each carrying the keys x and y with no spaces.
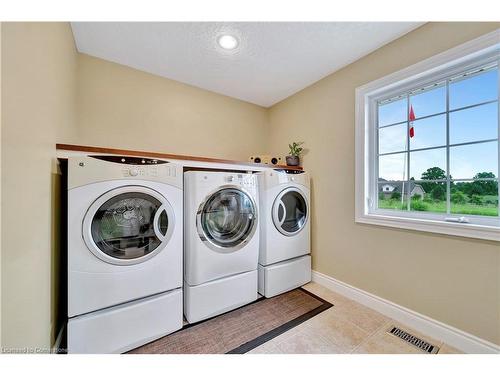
{"x":428,"y":144}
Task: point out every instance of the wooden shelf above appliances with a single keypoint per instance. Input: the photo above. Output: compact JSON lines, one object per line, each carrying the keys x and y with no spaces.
{"x":159,"y":155}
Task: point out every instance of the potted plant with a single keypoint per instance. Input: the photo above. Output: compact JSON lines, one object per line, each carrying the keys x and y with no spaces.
{"x":295,"y":150}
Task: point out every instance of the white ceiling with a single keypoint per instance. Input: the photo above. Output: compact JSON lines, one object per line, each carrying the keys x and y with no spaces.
{"x":273,"y":61}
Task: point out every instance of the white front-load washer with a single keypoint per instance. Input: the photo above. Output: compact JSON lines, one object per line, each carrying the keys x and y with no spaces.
{"x":124,"y":252}
{"x":221,"y":242}
{"x":284,"y":260}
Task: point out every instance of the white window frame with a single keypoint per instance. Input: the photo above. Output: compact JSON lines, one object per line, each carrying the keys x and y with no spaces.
{"x":468,"y":55}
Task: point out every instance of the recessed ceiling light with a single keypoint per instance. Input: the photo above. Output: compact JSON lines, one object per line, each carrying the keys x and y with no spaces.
{"x":227,"y":42}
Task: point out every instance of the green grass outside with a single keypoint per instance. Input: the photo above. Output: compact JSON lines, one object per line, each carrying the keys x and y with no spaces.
{"x":440,"y":207}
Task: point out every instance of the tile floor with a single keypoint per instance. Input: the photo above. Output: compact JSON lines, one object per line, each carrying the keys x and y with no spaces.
{"x":347,"y":327}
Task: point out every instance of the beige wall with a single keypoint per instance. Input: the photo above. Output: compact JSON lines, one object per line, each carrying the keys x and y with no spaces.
{"x":451,"y":279}
{"x":38,"y":108}
{"x":125,"y":108}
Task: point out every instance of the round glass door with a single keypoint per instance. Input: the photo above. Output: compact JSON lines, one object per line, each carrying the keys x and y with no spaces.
{"x":227,"y":219}
{"x":290,"y":211}
{"x":128,"y":225}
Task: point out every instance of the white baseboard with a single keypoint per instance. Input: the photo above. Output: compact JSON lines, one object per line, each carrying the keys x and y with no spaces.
{"x":440,"y":331}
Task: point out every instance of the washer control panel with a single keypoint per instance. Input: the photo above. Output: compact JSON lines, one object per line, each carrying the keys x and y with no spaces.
{"x":149,"y":171}
{"x":241,"y":179}
{"x":130,"y":160}
{"x":245,"y":180}
{"x":84,"y":170}
{"x":280,"y":177}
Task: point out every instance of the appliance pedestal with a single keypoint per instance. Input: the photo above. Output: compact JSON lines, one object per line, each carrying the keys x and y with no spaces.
{"x":283,"y":276}
{"x":127,"y":326}
{"x":219,"y":296}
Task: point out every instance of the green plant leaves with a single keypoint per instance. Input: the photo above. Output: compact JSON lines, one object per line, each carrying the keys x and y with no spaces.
{"x":295,"y":149}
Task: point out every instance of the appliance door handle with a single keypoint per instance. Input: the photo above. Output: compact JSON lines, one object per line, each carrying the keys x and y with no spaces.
{"x":156,"y":223}
{"x":282,"y":205}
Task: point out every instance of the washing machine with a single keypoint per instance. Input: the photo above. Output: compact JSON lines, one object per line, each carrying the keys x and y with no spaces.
{"x":284,"y":259}
{"x":124,"y":252}
{"x":221,"y":242}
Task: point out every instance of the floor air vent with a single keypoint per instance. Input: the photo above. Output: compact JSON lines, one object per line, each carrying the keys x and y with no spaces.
{"x":414,"y":340}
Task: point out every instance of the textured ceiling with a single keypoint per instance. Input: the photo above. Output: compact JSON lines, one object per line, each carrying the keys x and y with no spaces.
{"x":273,"y":61}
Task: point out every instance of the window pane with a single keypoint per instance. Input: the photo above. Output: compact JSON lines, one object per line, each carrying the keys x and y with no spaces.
{"x":475,"y":198}
{"x":392,"y":167}
{"x":390,"y":195}
{"x":467,"y":161}
{"x":429,"y":132}
{"x":476,"y":89}
{"x":392,"y":112}
{"x":429,"y":102}
{"x":427,"y":162}
{"x":474,"y":124}
{"x":392,"y":138}
{"x":428,"y":196}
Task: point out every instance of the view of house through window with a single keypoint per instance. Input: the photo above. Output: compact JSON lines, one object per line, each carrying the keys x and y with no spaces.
{"x":438,"y":146}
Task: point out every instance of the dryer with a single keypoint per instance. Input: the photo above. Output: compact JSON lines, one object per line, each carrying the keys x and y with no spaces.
{"x":221,"y":242}
{"x":124,"y":252}
{"x":284,"y":260}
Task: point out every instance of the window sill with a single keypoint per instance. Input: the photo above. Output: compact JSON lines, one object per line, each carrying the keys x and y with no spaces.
{"x":433,"y":226}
